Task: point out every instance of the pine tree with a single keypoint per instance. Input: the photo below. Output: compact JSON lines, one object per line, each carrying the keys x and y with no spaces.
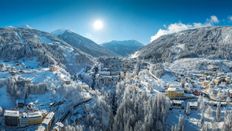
{"x":188,"y":109}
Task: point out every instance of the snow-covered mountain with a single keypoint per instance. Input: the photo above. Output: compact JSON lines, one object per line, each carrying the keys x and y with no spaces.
{"x":33,"y":64}
{"x":205,"y":42}
{"x":84,"y":44}
{"x":24,"y":43}
{"x":123,"y":48}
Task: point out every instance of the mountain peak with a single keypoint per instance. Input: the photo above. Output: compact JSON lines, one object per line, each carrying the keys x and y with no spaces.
{"x":84,"y":44}
{"x":60,"y":31}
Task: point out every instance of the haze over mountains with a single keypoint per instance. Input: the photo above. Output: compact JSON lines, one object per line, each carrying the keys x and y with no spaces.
{"x":123,"y":48}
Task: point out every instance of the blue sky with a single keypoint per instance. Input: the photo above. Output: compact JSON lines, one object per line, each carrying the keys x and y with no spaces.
{"x":123,"y":19}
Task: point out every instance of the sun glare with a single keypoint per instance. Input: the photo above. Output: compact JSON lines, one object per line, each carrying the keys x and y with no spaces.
{"x":98,"y":25}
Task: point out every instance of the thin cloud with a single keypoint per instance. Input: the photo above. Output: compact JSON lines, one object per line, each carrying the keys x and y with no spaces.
{"x":230,"y":18}
{"x":177,"y":27}
{"x":213,"y":19}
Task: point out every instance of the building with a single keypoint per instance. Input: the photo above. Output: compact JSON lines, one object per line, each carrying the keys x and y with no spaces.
{"x":175,"y":92}
{"x":34,"y":118}
{"x":23,"y":121}
{"x":11,"y":118}
{"x":177,"y":104}
{"x":193,"y":105}
{"x":58,"y":127}
{"x":205,"y":84}
{"x":107,"y":73}
{"x":53,"y":68}
{"x":47,"y":122}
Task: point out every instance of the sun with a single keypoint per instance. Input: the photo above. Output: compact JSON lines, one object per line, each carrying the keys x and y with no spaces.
{"x":98,"y":25}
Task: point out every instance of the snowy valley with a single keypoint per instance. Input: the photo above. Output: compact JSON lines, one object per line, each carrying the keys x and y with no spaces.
{"x":48,"y":81}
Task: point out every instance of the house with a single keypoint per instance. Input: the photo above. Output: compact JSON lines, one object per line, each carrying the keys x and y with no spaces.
{"x":115,"y":73}
{"x":177,"y":103}
{"x":11,"y":117}
{"x":104,"y":73}
{"x":58,"y":127}
{"x":228,"y":80}
{"x":47,"y":122}
{"x":53,"y":68}
{"x":34,"y":117}
{"x":193,"y":105}
{"x":175,"y":92}
{"x":205,"y":84}
{"x":196,"y":92}
{"x":216,"y":81}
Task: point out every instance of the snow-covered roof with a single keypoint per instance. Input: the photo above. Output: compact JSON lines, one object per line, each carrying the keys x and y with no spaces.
{"x":48,"y":118}
{"x":178,"y":101}
{"x":193,"y":104}
{"x":175,"y":89}
{"x":34,"y":114}
{"x":174,"y":84}
{"x":11,"y":113}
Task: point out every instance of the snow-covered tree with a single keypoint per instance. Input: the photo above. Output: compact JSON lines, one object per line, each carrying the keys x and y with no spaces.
{"x":228,"y":99}
{"x":180,"y":125}
{"x":202,"y":119}
{"x":188,"y":109}
{"x":228,"y":121}
{"x":74,"y":128}
{"x":209,"y":111}
{"x":218,"y":112}
{"x":201,"y":103}
{"x":1,"y":111}
{"x":139,"y":111}
{"x":205,"y":127}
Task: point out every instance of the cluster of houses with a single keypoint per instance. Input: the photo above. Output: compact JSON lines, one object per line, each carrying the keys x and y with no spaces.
{"x":15,"y":118}
{"x":198,"y":84}
{"x":26,"y":116}
{"x":215,"y":87}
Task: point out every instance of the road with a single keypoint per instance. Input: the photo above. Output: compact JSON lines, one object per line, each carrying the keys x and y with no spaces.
{"x":68,"y":113}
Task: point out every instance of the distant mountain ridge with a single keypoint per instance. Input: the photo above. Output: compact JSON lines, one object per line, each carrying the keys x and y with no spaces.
{"x":205,"y":42}
{"x":84,"y":44}
{"x":123,"y":48}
